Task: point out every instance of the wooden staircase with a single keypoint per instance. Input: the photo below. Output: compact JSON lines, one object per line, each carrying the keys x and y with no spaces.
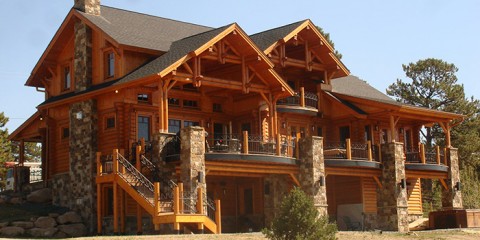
{"x":173,"y":206}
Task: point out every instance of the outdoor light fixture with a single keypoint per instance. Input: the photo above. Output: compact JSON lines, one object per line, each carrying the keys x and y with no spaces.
{"x":376,"y":127}
{"x":458,"y":186}
{"x":284,"y":125}
{"x":321,"y":181}
{"x":116,"y":91}
{"x":313,"y":128}
{"x":200,"y":177}
{"x":208,"y":124}
{"x":401,"y":130}
{"x":403,"y":183}
{"x":79,"y":115}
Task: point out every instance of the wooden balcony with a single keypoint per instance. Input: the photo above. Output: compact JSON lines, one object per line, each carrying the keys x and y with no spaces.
{"x":302,"y":103}
{"x":351,"y":154}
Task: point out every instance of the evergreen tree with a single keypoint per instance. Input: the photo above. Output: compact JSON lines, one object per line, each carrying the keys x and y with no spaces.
{"x":5,"y":149}
{"x":327,"y":37}
{"x":299,"y":219}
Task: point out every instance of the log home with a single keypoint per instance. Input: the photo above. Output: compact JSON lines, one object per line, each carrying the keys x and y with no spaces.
{"x":152,"y":123}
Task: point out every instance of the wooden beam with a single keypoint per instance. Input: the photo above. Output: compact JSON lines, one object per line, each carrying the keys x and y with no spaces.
{"x":444,"y":184}
{"x":294,"y":179}
{"x":379,"y":184}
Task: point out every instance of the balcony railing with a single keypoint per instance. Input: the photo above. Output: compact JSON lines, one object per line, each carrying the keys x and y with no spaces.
{"x":419,"y":154}
{"x":350,"y":151}
{"x":302,"y":99}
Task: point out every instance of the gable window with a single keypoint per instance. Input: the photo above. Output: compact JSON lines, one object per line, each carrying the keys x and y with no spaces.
{"x":110,"y":64}
{"x":110,"y":122}
{"x":67,"y":78}
{"x":65,"y":133}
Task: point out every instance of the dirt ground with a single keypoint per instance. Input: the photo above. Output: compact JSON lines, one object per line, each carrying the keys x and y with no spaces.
{"x":457,"y":234}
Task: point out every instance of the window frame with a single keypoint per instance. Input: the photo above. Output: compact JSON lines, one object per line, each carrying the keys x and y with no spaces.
{"x":105,"y":121}
{"x":63,"y":82}
{"x":107,"y":75}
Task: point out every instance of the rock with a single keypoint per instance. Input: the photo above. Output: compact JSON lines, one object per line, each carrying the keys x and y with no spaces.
{"x":11,"y":231}
{"x":69,"y":217}
{"x":16,"y":200}
{"x":45,"y":222}
{"x":60,"y":234}
{"x":74,"y":230}
{"x":2,"y":201}
{"x":42,"y":232}
{"x":40,"y":196}
{"x":53,"y":215}
{"x":3,"y":224}
{"x":23,"y":224}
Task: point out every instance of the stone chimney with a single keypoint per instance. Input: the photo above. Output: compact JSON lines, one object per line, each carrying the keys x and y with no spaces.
{"x":88,"y":6}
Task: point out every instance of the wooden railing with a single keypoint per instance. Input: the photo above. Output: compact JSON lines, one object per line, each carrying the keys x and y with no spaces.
{"x":302,"y":99}
{"x":424,"y":155}
{"x":350,"y":151}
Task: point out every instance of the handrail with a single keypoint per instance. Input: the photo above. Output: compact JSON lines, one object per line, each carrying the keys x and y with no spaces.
{"x":140,"y":183}
{"x":147,"y":163}
{"x":309,"y":100}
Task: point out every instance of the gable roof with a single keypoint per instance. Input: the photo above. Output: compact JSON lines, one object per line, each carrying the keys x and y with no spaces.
{"x":142,"y":30}
{"x":269,"y":37}
{"x":356,"y":87}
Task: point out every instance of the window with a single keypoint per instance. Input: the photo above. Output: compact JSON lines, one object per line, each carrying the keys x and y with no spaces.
{"x":368,"y":133}
{"x":190,"y":87}
{"x":190,"y":123}
{"x":174,"y":102}
{"x":67,"y":78}
{"x":142,"y":97}
{"x":65,"y":133}
{"x":110,"y":66}
{"x":344,"y":133}
{"x":217,"y":107}
{"x":173,"y":126}
{"x":320,"y":131}
{"x":110,"y":122}
{"x":143,"y":125}
{"x":190,"y":104}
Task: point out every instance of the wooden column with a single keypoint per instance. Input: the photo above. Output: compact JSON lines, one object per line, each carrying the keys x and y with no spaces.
{"x":369,"y":150}
{"x":279,"y":144}
{"x":302,"y":97}
{"x":245,"y":142}
{"x":200,"y":207}
{"x":180,"y":197}
{"x":139,"y":219}
{"x":160,"y":107}
{"x":21,"y":158}
{"x":99,"y":209}
{"x":437,"y":148}
{"x":115,"y":207}
{"x":392,"y":128}
{"x":218,"y":216}
{"x":422,"y":153}
{"x":348,"y":149}
{"x":122,"y":211}
{"x":156,"y":197}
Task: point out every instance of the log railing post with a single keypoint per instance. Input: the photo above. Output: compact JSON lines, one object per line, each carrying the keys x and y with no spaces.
{"x":245,"y":142}
{"x":297,"y":147}
{"x":122,"y":152}
{"x":176,"y":200}
{"x":138,"y":163}
{"x":115,"y":161}
{"x":218,"y":216}
{"x":289,"y":146}
{"x":369,"y":150}
{"x":422,"y":153}
{"x":302,"y":97}
{"x":279,"y":141}
{"x":180,"y":196}
{"x":379,"y":146}
{"x":199,"y":201}
{"x":445,"y":156}
{"x":142,"y":144}
{"x":349,"y":149}
{"x":99,"y":164}
{"x":437,"y":148}
{"x":156,"y":197}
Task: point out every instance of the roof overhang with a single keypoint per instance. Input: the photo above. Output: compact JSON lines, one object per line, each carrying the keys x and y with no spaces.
{"x":28,"y":131}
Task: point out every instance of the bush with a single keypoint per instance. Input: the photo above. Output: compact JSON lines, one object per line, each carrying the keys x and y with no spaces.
{"x":299,"y":219}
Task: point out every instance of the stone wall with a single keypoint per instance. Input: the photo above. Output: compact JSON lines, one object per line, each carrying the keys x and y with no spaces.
{"x":192,"y":157}
{"x":83,"y":146}
{"x":370,"y":221}
{"x":82,"y":59}
{"x":60,"y":185}
{"x":312,"y":172}
{"x":452,"y":197}
{"x":275,"y":189}
{"x":392,"y":197}
{"x":88,"y":6}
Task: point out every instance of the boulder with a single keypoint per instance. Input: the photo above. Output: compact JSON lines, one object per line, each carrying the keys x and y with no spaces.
{"x":11,"y":231}
{"x":74,"y":230}
{"x":53,"y":215}
{"x":3,"y":224}
{"x":40,"y":196}
{"x":42,"y":232}
{"x":23,"y":224}
{"x":45,"y":222}
{"x":69,"y":217}
{"x":60,"y":235}
{"x":2,"y":201}
{"x":16,"y":200}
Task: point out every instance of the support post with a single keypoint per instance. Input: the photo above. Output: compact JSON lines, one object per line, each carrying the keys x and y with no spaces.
{"x":138,"y":163}
{"x":176,"y":201}
{"x":452,"y":196}
{"x":139,"y":219}
{"x":115,"y":207}
{"x":99,"y":164}
{"x":297,"y":147}
{"x":437,"y":148}
{"x":115,"y":161}
{"x":245,"y":142}
{"x":349,"y":149}
{"x":422,"y":153}
{"x":369,"y":150}
{"x":180,"y":196}
{"x":379,"y":146}
{"x":21,"y":158}
{"x":122,"y":211}
{"x":99,"y":206}
{"x":218,"y":216}
{"x":200,"y":207}
{"x":156,"y":197}
{"x":289,"y":146}
{"x":302,"y":97}
{"x":279,"y":139}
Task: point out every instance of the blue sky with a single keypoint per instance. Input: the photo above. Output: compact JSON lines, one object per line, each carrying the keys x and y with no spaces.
{"x":375,"y":37}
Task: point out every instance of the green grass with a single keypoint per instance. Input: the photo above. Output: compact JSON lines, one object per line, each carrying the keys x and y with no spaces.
{"x":25,"y":211}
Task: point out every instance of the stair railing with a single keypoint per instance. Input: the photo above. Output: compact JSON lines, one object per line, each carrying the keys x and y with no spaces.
{"x":137,"y":180}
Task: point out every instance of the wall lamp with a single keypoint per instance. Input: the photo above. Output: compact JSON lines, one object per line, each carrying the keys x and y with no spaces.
{"x":284,"y":125}
{"x":79,"y":115}
{"x":321,"y":181}
{"x":200,"y":177}
{"x":458,"y":186}
{"x":403,"y":183}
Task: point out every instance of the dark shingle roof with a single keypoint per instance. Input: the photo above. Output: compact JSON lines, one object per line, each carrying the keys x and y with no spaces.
{"x":266,"y":38}
{"x":355,"y":87}
{"x":142,"y":30}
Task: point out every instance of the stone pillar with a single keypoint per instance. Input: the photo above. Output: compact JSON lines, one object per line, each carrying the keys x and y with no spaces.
{"x":82,"y":56}
{"x":83,"y":147}
{"x":312,"y":172}
{"x":162,"y":145}
{"x":192,"y":158}
{"x":88,"y":6}
{"x":276,"y":187}
{"x":392,"y":196}
{"x":452,"y":197}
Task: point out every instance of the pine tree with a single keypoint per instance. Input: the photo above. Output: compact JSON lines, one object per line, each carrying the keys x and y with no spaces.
{"x":327,"y":37}
{"x":5,"y":149}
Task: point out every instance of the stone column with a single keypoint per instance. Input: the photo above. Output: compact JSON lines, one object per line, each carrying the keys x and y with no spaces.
{"x":192,"y":158}
{"x":312,"y":172}
{"x":276,"y":187}
{"x":452,"y":197}
{"x":164,"y":144}
{"x":392,"y":196}
{"x":83,"y":146}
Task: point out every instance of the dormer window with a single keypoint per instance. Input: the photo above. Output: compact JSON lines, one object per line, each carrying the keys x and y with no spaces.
{"x":67,"y":78}
{"x":110,"y":65}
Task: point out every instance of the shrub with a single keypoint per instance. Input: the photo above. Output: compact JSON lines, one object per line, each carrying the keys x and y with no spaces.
{"x":299,"y":219}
